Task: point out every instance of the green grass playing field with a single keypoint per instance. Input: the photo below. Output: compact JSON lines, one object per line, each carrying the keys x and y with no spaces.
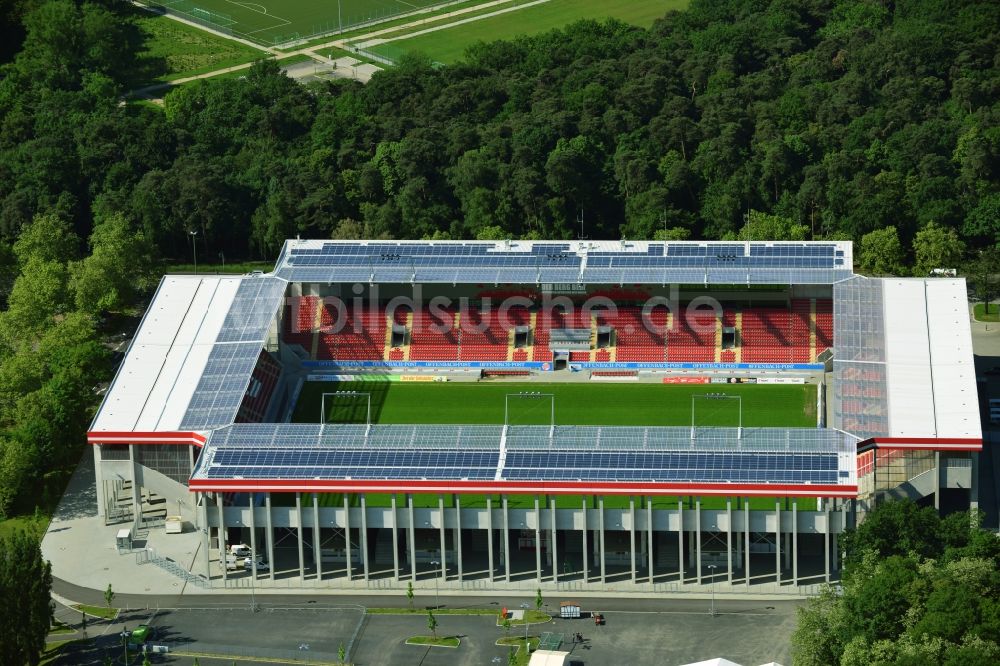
{"x":584,"y":403}
{"x":273,"y":22}
{"x":448,"y":44}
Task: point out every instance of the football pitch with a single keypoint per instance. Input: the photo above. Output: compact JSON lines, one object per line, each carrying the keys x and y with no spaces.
{"x":584,"y":403}
{"x":272,"y":22}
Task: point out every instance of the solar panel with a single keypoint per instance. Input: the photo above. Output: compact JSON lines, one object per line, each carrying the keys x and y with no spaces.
{"x":527,"y":263}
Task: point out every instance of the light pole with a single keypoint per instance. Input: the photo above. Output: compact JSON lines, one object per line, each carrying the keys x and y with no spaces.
{"x":194,"y":249}
{"x":712,"y":567}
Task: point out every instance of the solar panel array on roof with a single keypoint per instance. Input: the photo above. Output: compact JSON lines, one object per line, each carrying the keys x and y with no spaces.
{"x":715,"y":263}
{"x":237,"y":347}
{"x":615,"y":454}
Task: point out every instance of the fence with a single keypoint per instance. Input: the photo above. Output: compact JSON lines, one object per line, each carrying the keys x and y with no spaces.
{"x":188,"y":10}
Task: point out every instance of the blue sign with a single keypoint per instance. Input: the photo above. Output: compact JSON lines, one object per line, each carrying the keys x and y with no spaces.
{"x":676,"y":365}
{"x":486,"y":365}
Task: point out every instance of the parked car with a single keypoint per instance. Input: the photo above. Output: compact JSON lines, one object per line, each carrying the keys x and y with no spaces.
{"x":261,"y":565}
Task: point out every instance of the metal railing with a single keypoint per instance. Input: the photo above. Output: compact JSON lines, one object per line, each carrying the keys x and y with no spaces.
{"x":149,"y":556}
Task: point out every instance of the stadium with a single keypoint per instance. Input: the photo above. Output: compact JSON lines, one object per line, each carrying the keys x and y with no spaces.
{"x":569,"y":415}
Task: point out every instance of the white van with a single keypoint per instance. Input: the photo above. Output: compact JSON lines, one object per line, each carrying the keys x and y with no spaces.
{"x":233,"y":563}
{"x":239,"y":550}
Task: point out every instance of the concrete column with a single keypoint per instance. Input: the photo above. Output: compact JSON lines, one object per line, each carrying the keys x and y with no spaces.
{"x":974,"y":489}
{"x":604,"y":556}
{"x":203,"y":517}
{"x":298,"y":534}
{"x":269,"y":525}
{"x":937,"y":481}
{"x":443,"y":539}
{"x":506,"y":539}
{"x":697,"y":537}
{"x":222,"y":537}
{"x":746,"y":533}
{"x":777,"y":541}
{"x":795,"y":541}
{"x":253,"y":537}
{"x":99,"y":482}
{"x":631,"y":511}
{"x":395,"y":539}
{"x":349,"y":566}
{"x":826,"y":548}
{"x":489,"y":534}
{"x":680,"y":540}
{"x":316,"y":540}
{"x":364,"y":537}
{"x":836,"y":553}
{"x":538,"y":541}
{"x":586,"y":546}
{"x":458,"y":534}
{"x":729,"y":540}
{"x":649,"y":537}
{"x":553,"y":547}
{"x":136,"y":490}
{"x":413,"y":539}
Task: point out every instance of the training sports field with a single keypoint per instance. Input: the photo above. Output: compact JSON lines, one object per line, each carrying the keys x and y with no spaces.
{"x":276,"y":21}
{"x":584,"y":403}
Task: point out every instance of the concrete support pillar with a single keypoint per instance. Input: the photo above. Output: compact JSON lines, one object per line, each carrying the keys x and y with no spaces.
{"x":586,"y":562}
{"x":553,"y":547}
{"x":631,"y":530}
{"x":364,"y":537}
{"x":505,"y":542}
{"x":680,"y":540}
{"x":826,"y":547}
{"x":729,"y":540}
{"x":412,"y":538}
{"x":443,"y":538}
{"x":395,"y":539}
{"x":223,"y":547}
{"x":102,"y":500}
{"x":746,"y":534}
{"x":458,"y":534}
{"x":205,"y":542}
{"x":269,"y":526}
{"x":538,"y":541}
{"x":836,"y":553}
{"x":604,"y":556}
{"x":489,"y":535}
{"x":136,"y":489}
{"x":777,"y":541}
{"x":649,"y":537}
{"x":937,"y":481}
{"x":253,"y":537}
{"x":697,"y":537}
{"x":298,"y":537}
{"x":795,"y":541}
{"x":316,"y":540}
{"x":349,"y":562}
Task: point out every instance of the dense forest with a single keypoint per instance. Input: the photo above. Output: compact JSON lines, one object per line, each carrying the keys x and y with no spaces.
{"x":827,"y":118}
{"x":869,"y":120}
{"x":917,"y":590}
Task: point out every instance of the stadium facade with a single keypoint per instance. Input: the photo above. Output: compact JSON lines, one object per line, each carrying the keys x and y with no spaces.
{"x":200,"y":413}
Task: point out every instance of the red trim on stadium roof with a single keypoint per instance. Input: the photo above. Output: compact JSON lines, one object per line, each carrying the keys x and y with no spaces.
{"x":520,"y":487}
{"x":179,"y":437}
{"x":926,"y":443}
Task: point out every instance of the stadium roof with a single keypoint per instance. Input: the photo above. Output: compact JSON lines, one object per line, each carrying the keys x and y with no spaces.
{"x":566,"y":459}
{"x":904,"y":365}
{"x":190,"y":362}
{"x":580,"y":262}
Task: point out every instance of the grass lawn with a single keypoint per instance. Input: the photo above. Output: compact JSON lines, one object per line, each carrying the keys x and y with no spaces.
{"x":448,"y":45}
{"x":54,"y":650}
{"x":60,"y":628}
{"x":530,"y":617}
{"x":523,"y":653}
{"x":982,"y":315}
{"x":173,"y":50}
{"x":97,"y":611}
{"x":575,"y":404}
{"x":440,"y":641}
{"x":31,"y":524}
